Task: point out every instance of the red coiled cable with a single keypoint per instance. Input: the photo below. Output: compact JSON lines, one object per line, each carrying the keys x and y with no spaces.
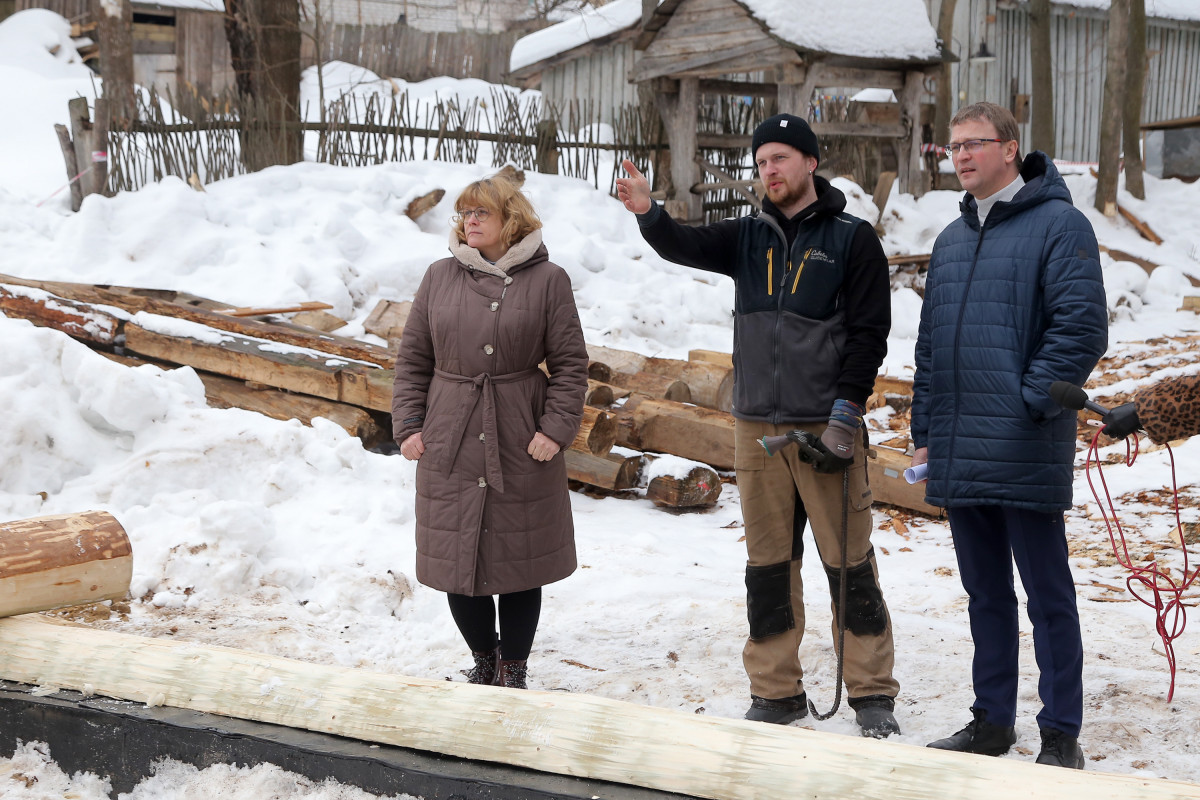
{"x":1161,"y":592}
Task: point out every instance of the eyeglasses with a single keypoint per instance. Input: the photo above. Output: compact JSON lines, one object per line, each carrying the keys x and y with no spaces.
{"x":480,"y":214}
{"x":970,"y":145}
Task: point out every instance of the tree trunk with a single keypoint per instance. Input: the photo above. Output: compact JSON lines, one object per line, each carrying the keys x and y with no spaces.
{"x":1134,"y":87}
{"x":1111,"y":111}
{"x":1042,"y":130}
{"x":945,"y":96}
{"x":114,"y":31}
{"x":264,"y":46}
{"x":64,"y":560}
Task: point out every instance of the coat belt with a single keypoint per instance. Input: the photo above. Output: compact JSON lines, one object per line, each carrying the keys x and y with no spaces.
{"x":481,"y":386}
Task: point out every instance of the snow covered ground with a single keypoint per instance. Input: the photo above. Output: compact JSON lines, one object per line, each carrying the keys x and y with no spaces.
{"x":290,"y":540}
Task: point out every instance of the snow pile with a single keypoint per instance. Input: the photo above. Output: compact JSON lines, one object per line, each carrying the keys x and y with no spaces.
{"x":590,"y":24}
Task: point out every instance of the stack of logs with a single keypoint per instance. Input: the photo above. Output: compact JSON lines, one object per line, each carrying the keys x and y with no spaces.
{"x":285,"y":369}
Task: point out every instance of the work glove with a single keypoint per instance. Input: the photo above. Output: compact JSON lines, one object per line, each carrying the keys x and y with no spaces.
{"x":824,"y":460}
{"x":845,"y":421}
{"x":1121,"y":421}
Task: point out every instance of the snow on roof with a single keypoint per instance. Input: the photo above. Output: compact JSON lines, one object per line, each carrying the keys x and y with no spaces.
{"x":892,"y":29}
{"x":1160,"y":9}
{"x":899,"y":29}
{"x":190,"y":5}
{"x":591,"y":24}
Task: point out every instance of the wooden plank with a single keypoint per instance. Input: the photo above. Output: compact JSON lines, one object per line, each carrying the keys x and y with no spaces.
{"x":387,"y":319}
{"x":1190,"y":303}
{"x":554,"y":732}
{"x":883,"y":190}
{"x":62,"y":560}
{"x":1145,"y":230}
{"x":311,"y":305}
{"x":885,"y":473}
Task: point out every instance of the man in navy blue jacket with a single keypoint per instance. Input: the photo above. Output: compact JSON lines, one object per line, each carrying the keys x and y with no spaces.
{"x":1014,"y":300}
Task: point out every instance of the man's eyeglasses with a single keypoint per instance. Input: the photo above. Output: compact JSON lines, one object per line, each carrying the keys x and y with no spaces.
{"x":969,"y":146}
{"x":480,"y":214}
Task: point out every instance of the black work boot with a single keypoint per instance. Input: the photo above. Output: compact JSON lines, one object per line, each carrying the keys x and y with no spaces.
{"x":513,"y":673}
{"x":778,"y":712}
{"x":874,"y":716}
{"x":980,"y":736}
{"x":1060,"y":750}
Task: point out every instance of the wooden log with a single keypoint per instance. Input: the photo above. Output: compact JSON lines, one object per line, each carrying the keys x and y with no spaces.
{"x":62,"y":560}
{"x":599,"y":394}
{"x":319,"y":321}
{"x":919,"y":260}
{"x":883,"y":190}
{"x":712,"y":357}
{"x":886,"y":475}
{"x":554,"y":732}
{"x":1145,"y":230}
{"x":250,"y":359}
{"x":662,"y":426}
{"x":887,"y":384}
{"x":700,"y":488}
{"x":597,"y":432}
{"x":651,"y":385}
{"x":78,"y":320}
{"x":617,"y":360}
{"x":1191,"y":302}
{"x":202,"y":310}
{"x":610,"y":471}
{"x":709,"y":385}
{"x":599,"y":371}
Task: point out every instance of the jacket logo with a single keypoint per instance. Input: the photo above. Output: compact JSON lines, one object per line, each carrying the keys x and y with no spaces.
{"x":819,"y":255}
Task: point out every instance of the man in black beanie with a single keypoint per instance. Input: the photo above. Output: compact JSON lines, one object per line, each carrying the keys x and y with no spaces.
{"x":812,"y":313}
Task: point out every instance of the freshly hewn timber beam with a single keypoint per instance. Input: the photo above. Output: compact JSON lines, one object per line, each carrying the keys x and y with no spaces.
{"x":886,"y":475}
{"x":555,"y":732}
{"x":62,"y":560}
{"x":295,"y":369}
{"x":701,"y":434}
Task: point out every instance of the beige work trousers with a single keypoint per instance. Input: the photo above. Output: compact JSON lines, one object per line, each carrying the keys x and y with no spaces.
{"x":774,"y":489}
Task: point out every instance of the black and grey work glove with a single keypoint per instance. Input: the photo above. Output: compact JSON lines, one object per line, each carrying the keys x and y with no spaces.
{"x":845,"y":422}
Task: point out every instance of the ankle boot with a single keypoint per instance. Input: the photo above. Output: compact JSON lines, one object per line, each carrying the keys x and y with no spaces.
{"x":512,"y":674}
{"x":486,"y":667}
{"x":980,"y":736}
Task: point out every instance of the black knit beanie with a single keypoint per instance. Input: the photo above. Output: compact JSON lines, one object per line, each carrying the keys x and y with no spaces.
{"x":787,"y":129}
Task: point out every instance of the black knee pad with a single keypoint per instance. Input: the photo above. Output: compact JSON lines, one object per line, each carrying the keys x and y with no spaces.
{"x":865,"y":613}
{"x":769,"y":599}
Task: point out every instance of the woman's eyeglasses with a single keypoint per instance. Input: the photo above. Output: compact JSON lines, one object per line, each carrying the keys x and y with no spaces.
{"x":480,"y":214}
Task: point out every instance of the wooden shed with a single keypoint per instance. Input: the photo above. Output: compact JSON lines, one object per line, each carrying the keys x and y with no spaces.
{"x":679,"y":50}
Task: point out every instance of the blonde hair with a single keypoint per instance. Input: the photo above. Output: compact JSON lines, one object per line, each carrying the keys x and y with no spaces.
{"x":499,"y":195}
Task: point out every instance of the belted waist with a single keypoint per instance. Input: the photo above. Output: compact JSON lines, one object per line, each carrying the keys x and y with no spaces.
{"x":484,"y":383}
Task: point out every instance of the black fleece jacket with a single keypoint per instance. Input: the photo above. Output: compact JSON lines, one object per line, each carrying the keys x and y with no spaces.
{"x":865,"y":296}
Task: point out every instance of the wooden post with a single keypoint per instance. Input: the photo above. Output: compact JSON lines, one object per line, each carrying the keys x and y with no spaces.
{"x":547,"y":147}
{"x":64,"y":560}
{"x":680,"y":117}
{"x":68,"y":151}
{"x":912,"y":179}
{"x":89,"y":142}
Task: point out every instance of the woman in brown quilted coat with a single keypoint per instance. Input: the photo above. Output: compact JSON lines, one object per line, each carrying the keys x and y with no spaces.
{"x":487,"y":427}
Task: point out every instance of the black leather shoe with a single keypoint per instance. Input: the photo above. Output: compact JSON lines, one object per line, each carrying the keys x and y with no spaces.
{"x":1060,"y":750}
{"x":980,"y":736}
{"x":778,"y":712}
{"x":874,"y":716}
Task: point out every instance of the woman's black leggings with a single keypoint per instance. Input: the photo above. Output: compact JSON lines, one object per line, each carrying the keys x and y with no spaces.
{"x":519,"y":613}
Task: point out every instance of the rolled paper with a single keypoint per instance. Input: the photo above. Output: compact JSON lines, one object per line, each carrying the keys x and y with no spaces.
{"x":917,"y":474}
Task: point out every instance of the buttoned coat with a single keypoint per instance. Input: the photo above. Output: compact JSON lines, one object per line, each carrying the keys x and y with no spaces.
{"x":490,"y":518}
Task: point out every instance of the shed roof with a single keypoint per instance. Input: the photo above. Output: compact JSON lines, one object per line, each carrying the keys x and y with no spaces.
{"x":900,"y":30}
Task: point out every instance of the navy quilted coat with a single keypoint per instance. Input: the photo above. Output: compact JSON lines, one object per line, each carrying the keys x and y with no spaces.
{"x":1008,"y":310}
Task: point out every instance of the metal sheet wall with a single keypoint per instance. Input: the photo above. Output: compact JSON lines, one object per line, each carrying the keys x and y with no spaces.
{"x":1079,"y":46}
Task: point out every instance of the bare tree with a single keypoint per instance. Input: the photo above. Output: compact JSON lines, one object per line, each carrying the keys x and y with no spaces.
{"x":114,"y":32}
{"x":945,"y":98}
{"x":264,"y":45}
{"x":1042,"y":130}
{"x":1112,"y":108}
{"x":1134,"y":89}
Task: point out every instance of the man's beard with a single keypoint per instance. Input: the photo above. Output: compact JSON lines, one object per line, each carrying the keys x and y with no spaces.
{"x":787,"y":195}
